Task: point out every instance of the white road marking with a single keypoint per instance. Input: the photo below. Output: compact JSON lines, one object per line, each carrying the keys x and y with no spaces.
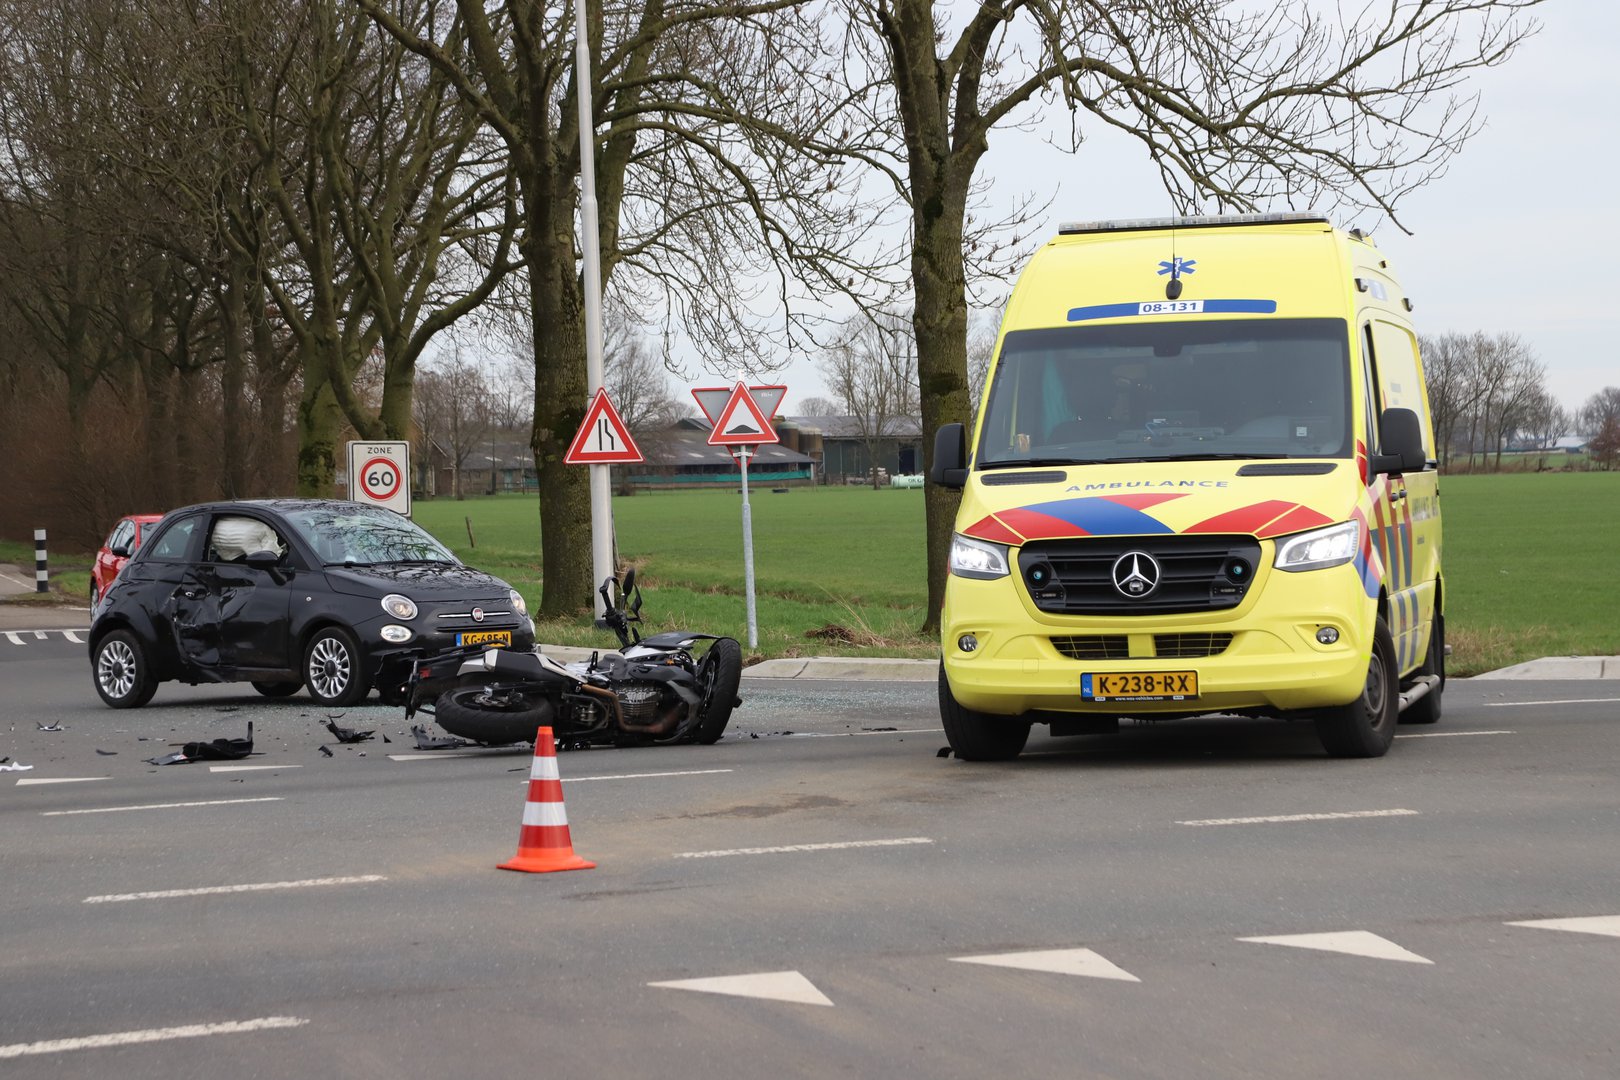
{"x":643,"y":775}
{"x":433,"y":757}
{"x":1451,"y":734}
{"x":39,"y":635}
{"x":168,"y":894}
{"x":1563,"y":701}
{"x":73,"y":636}
{"x":1607,"y":925}
{"x":1300,"y":817}
{"x":787,"y":986}
{"x":16,"y":639}
{"x":249,"y":768}
{"x":60,"y":780}
{"x":129,"y":1038}
{"x":158,"y":806}
{"x":1352,"y":942}
{"x":19,"y":581}
{"x":1058,"y":961}
{"x":787,"y":848}
{"x":842,"y":734}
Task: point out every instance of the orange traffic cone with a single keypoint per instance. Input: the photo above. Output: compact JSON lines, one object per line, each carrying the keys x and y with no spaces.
{"x":543,"y":843}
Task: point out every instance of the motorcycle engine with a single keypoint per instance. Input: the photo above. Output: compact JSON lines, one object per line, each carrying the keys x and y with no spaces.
{"x":638,"y":701}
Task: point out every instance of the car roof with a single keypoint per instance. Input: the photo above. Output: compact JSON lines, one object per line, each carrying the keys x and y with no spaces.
{"x":278,"y":506}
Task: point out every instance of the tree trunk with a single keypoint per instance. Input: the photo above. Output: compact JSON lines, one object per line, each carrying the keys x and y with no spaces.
{"x":233,"y":436}
{"x":318,"y":424}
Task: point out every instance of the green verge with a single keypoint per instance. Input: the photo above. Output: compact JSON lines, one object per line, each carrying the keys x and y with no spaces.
{"x":69,"y":574}
{"x":1532,"y":565}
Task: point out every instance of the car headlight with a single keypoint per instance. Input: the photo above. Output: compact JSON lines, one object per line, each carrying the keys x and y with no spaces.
{"x":517,"y":603}
{"x":1320,"y":548}
{"x":400,"y":607}
{"x":977,"y":558}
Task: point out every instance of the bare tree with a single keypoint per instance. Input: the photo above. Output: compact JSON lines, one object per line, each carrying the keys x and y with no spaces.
{"x":1545,"y":421}
{"x":1240,"y":106}
{"x":818,"y":406}
{"x":1599,"y":409}
{"x":452,"y":408}
{"x":872,"y":372}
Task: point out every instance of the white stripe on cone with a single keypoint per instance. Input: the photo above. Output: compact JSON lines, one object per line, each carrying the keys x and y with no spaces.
{"x":545,"y":813}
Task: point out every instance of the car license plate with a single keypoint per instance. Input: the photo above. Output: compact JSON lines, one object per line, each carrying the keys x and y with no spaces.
{"x":1140,"y":686}
{"x":498,"y":638}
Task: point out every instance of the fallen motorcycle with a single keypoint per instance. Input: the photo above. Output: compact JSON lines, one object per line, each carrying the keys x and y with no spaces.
{"x":653,"y":690}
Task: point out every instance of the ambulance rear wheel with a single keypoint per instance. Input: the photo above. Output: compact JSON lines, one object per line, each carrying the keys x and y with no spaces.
{"x":1426,"y":709}
{"x":1366,"y":726}
{"x":977,"y":736}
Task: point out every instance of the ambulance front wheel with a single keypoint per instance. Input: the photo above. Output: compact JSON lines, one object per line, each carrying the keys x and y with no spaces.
{"x":1366,"y":726}
{"x":977,"y":736}
{"x":1426,"y":709}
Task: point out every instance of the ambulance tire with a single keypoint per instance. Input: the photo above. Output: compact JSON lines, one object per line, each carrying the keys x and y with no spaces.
{"x":1426,"y":709}
{"x":977,"y":736}
{"x":1366,"y":726}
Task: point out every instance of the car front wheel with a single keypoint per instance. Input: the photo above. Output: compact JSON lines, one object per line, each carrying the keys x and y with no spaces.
{"x":123,"y":678}
{"x":332,"y":669}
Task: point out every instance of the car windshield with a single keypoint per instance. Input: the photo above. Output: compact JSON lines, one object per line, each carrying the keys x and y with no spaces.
{"x":1229,"y":388}
{"x":361,"y":535}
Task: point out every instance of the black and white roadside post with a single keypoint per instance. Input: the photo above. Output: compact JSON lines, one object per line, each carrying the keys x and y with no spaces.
{"x":741,"y":426}
{"x":42,"y":577}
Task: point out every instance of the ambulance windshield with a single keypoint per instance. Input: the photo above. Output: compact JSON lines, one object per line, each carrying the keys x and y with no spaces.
{"x":1231,"y":388}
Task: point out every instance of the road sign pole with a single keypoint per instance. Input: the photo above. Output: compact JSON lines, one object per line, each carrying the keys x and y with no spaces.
{"x":744,"y":454}
{"x":601,"y":494}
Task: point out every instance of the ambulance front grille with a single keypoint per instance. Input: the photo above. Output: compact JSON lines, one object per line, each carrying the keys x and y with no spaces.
{"x":1186,"y":646}
{"x":1193,"y":573}
{"x":1094,"y":647}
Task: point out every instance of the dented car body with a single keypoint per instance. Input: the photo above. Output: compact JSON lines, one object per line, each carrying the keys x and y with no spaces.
{"x":336,"y":597}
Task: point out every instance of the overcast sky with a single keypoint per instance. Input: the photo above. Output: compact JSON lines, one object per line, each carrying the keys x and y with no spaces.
{"x":1519,"y":236}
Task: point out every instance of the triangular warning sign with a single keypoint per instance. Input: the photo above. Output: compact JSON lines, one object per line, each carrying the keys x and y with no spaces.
{"x":712,"y":399}
{"x":603,"y":439}
{"x":741,"y":423}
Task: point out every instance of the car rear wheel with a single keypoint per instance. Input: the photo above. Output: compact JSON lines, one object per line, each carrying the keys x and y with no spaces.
{"x":123,"y":678}
{"x":977,"y":736}
{"x":1365,"y":727}
{"x":278,"y":689}
{"x":332,"y":669}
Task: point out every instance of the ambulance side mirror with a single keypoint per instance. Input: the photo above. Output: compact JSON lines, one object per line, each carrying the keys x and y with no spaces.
{"x":949,"y":465}
{"x":1400,"y":435}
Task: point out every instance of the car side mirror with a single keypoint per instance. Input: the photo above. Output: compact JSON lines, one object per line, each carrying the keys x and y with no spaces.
{"x":121,"y":550}
{"x":1400,"y":435}
{"x":263,"y":560}
{"x":949,"y":465}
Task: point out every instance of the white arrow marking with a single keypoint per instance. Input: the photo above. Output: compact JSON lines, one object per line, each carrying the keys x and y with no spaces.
{"x":1607,"y":925}
{"x":1353,"y":942}
{"x":1058,"y":961}
{"x":787,"y":986}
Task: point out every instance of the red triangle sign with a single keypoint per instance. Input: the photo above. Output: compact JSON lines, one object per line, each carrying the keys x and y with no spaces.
{"x":603,"y":439}
{"x":741,"y":423}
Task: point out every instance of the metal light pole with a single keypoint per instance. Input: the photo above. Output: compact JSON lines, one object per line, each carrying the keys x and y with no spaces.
{"x":601,"y":494}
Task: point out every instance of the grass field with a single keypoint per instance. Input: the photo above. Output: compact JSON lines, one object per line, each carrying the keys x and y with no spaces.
{"x":1532,"y":565}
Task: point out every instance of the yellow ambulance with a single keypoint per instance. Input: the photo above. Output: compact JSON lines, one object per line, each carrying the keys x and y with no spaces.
{"x":1202,"y":480}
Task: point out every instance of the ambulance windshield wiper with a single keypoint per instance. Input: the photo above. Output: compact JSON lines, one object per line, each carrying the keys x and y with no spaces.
{"x":1018,"y":463}
{"x":1209,"y":457}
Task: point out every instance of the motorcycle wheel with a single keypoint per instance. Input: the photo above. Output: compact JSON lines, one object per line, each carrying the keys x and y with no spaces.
{"x":462,"y":713}
{"x":719,"y":675}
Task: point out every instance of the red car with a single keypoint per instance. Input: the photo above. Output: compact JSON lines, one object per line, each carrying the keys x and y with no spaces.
{"x":116,"y":550}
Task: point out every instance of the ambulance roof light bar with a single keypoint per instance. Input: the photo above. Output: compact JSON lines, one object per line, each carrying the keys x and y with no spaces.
{"x":1201,"y":221}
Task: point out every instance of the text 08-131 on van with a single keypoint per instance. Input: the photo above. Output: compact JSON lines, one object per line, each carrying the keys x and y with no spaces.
{"x":1201,"y":481}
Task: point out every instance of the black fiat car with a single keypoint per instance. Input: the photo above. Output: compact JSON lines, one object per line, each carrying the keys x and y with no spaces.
{"x":335,"y":596}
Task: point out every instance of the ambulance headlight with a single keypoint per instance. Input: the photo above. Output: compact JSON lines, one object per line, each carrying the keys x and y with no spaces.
{"x":1320,"y":548}
{"x":976,"y":558}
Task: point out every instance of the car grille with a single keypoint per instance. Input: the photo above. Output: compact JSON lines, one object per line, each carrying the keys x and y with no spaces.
{"x":1075,"y":577}
{"x":1094,"y":647}
{"x":1190,"y":645}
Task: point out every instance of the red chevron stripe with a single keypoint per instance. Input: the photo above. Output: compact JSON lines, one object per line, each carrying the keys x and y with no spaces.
{"x":993,"y":530}
{"x":1245,"y":519}
{"x":1298,"y":519}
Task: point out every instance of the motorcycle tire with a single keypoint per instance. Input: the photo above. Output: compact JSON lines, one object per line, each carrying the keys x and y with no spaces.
{"x":460,"y":713}
{"x":719,"y":674}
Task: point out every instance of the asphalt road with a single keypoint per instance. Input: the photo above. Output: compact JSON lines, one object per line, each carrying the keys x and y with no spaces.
{"x":393,"y":947}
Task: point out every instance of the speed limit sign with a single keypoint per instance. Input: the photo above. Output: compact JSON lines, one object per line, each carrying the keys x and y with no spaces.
{"x":380,"y":474}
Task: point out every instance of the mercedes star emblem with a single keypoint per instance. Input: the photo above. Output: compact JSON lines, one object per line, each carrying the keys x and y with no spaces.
{"x":1136,"y":574}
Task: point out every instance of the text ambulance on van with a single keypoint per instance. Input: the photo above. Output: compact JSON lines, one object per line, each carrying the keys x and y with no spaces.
{"x":1201,"y":481}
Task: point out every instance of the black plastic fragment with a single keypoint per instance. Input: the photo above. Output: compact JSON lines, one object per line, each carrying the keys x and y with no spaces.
{"x":106,"y":753}
{"x":176,"y":758}
{"x":347,"y":734}
{"x":323,"y":748}
{"x":424,"y":741}
{"x":221,"y":749}
{"x":944,"y":751}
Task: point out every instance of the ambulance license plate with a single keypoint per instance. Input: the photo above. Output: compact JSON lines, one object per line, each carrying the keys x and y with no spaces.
{"x":500,"y":639}
{"x":1140,"y":686}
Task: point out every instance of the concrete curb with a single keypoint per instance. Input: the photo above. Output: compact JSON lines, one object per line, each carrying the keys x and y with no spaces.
{"x":1560,"y":668}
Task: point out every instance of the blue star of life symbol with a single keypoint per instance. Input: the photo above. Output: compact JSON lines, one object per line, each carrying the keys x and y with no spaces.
{"x":1178,"y":266}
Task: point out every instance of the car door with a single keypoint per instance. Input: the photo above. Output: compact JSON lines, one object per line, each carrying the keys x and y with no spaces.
{"x":235,"y":611}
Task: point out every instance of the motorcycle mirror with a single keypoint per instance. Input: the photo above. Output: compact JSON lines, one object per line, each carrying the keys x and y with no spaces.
{"x":635,"y":606}
{"x":629,"y":581}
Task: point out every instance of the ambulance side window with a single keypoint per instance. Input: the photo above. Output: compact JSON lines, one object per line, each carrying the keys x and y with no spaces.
{"x":1401,"y":385}
{"x":1369,"y":385}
